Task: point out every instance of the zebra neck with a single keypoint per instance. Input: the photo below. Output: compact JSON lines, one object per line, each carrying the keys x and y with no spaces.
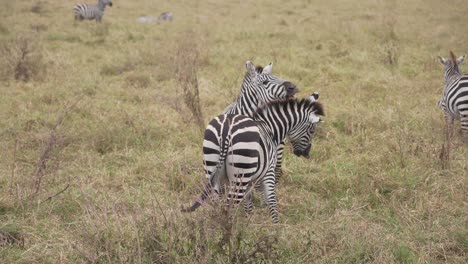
{"x":452,"y":74}
{"x":101,"y":6}
{"x":273,"y":129}
{"x":247,"y":104}
{"x":449,"y":80}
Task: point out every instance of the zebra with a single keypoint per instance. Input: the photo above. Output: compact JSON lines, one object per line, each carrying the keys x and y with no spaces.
{"x":454,"y":100}
{"x":246,"y":103}
{"x":243,"y":150}
{"x":259,"y":87}
{"x":166,"y":16}
{"x":89,"y":11}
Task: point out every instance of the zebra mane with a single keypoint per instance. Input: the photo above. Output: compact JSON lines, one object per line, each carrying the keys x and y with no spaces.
{"x":259,"y":69}
{"x":304,"y":102}
{"x":454,"y":58}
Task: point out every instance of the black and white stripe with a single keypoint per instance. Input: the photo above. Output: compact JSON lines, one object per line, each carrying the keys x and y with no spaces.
{"x":260,"y":87}
{"x":243,"y":150}
{"x":90,"y":11}
{"x":454,"y":100}
{"x":278,"y":168}
{"x":249,"y":100}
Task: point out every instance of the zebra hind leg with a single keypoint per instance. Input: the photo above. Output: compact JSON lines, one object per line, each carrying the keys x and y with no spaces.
{"x":248,"y":204}
{"x":464,"y":128}
{"x":270,"y":197}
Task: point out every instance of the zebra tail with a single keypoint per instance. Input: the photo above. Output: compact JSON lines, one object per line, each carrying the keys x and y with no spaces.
{"x":207,"y":190}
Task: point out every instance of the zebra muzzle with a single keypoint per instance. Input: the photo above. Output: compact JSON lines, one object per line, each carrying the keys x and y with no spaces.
{"x":304,"y":153}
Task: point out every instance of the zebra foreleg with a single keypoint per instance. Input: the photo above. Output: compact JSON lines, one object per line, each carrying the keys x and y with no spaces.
{"x":279,"y":162}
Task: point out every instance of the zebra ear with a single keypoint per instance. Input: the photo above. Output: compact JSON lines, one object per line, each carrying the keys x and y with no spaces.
{"x":314,"y":119}
{"x":314,"y":97}
{"x":250,"y":68}
{"x":442,"y":60}
{"x":267,"y":69}
{"x":461,"y":59}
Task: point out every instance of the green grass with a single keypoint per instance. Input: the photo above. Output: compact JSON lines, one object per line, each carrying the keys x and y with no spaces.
{"x":374,"y":191}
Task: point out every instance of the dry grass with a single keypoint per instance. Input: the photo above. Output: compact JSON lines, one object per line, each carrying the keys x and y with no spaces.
{"x":383,"y":185}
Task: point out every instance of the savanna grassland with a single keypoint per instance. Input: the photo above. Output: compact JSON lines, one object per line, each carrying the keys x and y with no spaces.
{"x":101,"y":132}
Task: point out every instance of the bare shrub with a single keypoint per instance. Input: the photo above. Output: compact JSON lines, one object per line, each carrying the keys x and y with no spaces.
{"x":11,"y":238}
{"x":23,"y":59}
{"x":445,"y":149}
{"x":38,"y":8}
{"x":187,"y":63}
{"x":53,"y":143}
{"x":117,"y":69}
{"x":222,"y":235}
{"x":138,"y":80}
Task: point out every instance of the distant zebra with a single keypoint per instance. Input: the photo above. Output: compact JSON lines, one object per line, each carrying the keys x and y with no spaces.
{"x":89,"y":11}
{"x":243,"y":150}
{"x":166,"y":16}
{"x":454,"y":100}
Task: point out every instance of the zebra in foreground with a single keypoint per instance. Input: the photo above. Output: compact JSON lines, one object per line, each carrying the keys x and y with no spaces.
{"x":454,"y":100}
{"x":259,"y":88}
{"x":89,"y":11}
{"x":247,"y":103}
{"x":245,"y":149}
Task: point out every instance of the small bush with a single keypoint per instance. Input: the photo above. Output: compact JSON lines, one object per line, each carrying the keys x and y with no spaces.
{"x":38,"y":8}
{"x":11,"y":237}
{"x":38,"y":27}
{"x":118,"y":69}
{"x":138,"y":80}
{"x":23,"y":59}
{"x":3,"y":30}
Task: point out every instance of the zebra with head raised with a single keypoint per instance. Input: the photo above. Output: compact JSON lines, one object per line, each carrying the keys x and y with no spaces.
{"x":260,"y":87}
{"x":90,"y":11}
{"x":247,"y":103}
{"x":245,"y":149}
{"x":454,"y":100}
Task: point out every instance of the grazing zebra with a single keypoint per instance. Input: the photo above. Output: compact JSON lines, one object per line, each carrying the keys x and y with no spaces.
{"x":243,"y":150}
{"x":454,"y":100}
{"x":278,"y":168}
{"x":89,"y":11}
